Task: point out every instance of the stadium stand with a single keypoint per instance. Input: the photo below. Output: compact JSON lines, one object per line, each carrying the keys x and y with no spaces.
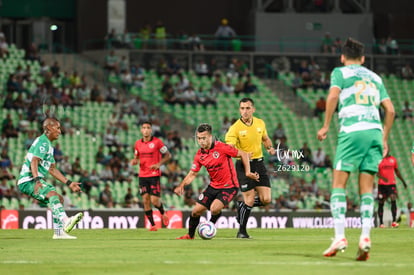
{"x":89,"y":130}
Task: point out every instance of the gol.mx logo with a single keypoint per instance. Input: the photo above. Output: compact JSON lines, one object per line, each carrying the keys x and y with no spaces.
{"x":9,"y":219}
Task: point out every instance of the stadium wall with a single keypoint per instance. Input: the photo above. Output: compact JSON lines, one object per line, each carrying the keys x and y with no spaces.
{"x":292,"y":26}
{"x":130,"y":219}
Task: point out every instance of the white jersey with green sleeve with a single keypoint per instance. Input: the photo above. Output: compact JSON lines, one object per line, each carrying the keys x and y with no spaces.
{"x":362,"y":91}
{"x":43,"y":149}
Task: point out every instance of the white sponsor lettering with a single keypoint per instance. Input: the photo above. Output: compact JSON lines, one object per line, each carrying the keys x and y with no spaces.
{"x":274,"y":222}
{"x":325,"y":222}
{"x":89,"y":222}
{"x":123,"y":222}
{"x":227,"y":222}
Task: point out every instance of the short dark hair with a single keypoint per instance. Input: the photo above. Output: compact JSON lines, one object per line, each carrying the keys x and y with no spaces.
{"x":353,"y":49}
{"x":49,"y":121}
{"x":204,"y":127}
{"x":246,"y":99}
{"x":146,"y":122}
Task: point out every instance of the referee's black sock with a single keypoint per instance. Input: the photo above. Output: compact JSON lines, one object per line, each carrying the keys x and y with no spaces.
{"x":257,"y":202}
{"x":381,"y":212}
{"x":394,"y":210}
{"x":214,"y":218}
{"x":192,"y":225}
{"x":244,"y":217}
{"x":161,"y":209}
{"x":150,"y":217}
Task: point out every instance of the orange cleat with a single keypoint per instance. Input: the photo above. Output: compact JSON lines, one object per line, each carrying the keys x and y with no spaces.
{"x":337,"y":245}
{"x":165,"y":220}
{"x":185,"y":237}
{"x":395,"y":225}
{"x":382,"y":225}
{"x":364,"y":248}
{"x":153,"y":228}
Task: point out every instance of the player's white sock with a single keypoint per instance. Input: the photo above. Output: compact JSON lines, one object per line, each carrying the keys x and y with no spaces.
{"x":58,"y":212}
{"x":367,"y":210}
{"x":338,"y":209}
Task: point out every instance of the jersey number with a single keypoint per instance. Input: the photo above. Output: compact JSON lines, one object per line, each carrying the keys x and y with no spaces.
{"x":365,"y":99}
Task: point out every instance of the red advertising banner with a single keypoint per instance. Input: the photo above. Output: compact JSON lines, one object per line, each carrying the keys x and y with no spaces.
{"x":9,"y":219}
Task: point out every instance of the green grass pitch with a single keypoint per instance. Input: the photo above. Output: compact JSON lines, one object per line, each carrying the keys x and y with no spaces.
{"x":271,"y":251}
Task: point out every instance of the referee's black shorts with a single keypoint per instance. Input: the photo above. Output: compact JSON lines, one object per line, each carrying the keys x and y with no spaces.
{"x":256,"y":165}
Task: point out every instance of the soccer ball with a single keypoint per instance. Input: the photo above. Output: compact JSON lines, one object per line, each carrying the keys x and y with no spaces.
{"x":206,"y":230}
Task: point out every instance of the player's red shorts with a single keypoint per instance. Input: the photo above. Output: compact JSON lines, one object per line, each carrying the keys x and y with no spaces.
{"x":150,"y":185}
{"x":225,"y":195}
{"x":384,"y":191}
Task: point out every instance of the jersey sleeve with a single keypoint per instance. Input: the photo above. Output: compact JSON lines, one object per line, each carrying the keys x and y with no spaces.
{"x":163,"y":149}
{"x":229,"y":150}
{"x":337,"y":79}
{"x":231,"y":137}
{"x":196,"y":163}
{"x":136,"y":151}
{"x":383,"y":93}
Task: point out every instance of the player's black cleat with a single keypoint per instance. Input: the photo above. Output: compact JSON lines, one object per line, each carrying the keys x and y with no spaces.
{"x":241,"y":235}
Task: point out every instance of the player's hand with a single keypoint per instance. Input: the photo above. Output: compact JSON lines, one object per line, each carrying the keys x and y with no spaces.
{"x":254,"y":176}
{"x":323,"y":133}
{"x":37,"y":186}
{"x":75,"y":187}
{"x":179,"y":190}
{"x":134,"y":162}
{"x":271,"y":151}
{"x":155,"y":166}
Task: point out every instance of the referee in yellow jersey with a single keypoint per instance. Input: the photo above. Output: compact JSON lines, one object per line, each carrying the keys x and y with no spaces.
{"x":247,"y":134}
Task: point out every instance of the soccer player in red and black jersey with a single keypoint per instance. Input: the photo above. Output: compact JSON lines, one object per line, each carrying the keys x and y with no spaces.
{"x":150,"y":153}
{"x":387,"y":187}
{"x":215,"y":156}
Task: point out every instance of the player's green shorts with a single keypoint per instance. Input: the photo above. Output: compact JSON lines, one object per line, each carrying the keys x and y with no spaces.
{"x":28,"y":189}
{"x":361,"y":150}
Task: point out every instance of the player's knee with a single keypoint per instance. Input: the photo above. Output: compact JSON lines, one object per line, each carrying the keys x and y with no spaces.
{"x":215,"y":210}
{"x":195,"y":214}
{"x":155,"y":201}
{"x":266,"y":200}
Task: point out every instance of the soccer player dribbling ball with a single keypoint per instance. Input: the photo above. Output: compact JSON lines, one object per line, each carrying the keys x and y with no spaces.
{"x":38,"y":163}
{"x":215,"y":156}
{"x":387,"y":187}
{"x":361,"y":139}
{"x":150,"y":153}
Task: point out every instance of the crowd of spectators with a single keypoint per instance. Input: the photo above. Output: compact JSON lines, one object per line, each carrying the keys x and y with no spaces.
{"x":309,"y":76}
{"x":156,"y":36}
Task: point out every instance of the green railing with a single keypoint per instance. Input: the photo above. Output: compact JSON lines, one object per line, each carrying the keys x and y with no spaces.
{"x":239,"y":43}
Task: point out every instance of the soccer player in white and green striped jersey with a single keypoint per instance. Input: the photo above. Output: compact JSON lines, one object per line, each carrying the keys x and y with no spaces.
{"x":361,"y":140}
{"x":39,"y":162}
